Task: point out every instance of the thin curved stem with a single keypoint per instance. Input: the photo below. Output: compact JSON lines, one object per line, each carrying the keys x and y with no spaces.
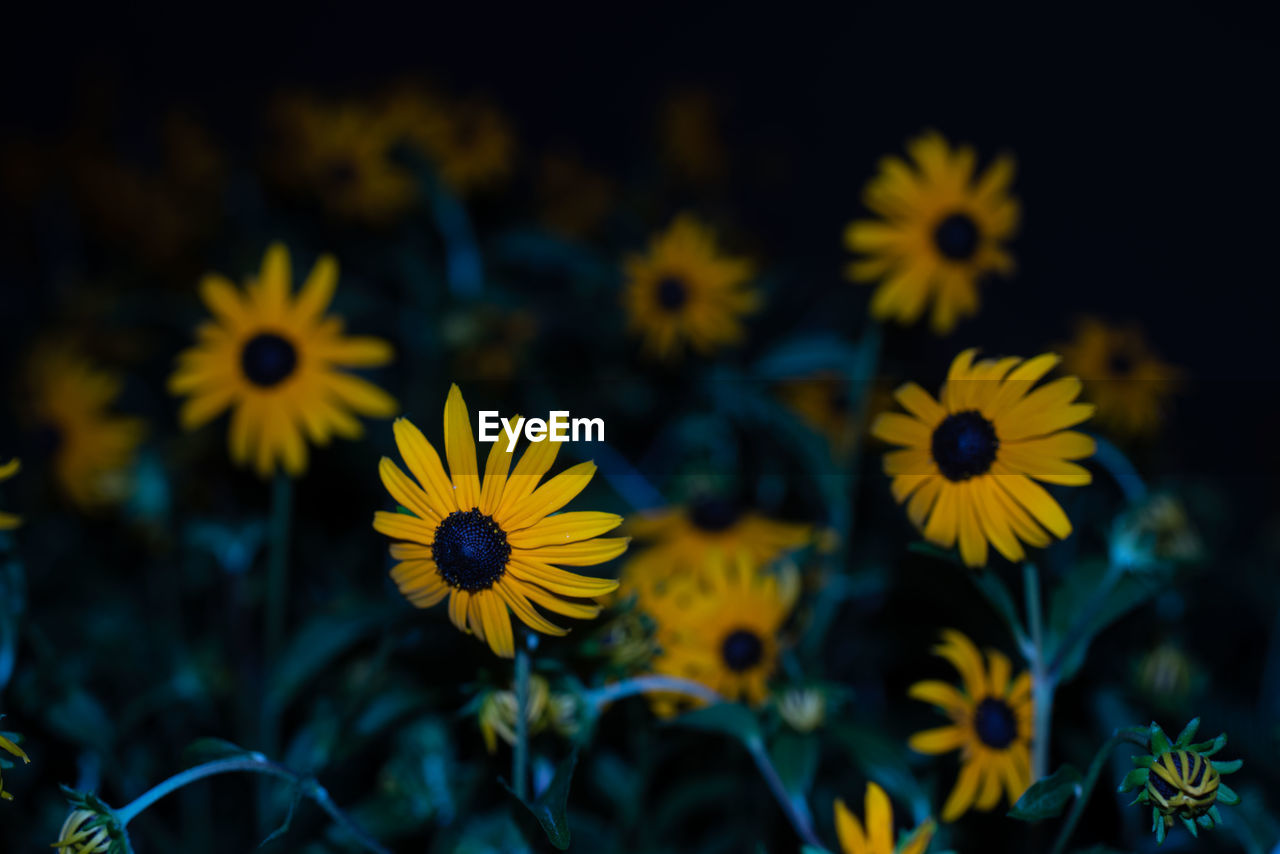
{"x":1086,"y":787}
{"x":601,"y":697}
{"x":254,"y":763}
{"x":278,"y":565}
{"x":1042,"y":679}
{"x":796,"y":809}
{"x":520,"y":751}
{"x":1121,"y":470}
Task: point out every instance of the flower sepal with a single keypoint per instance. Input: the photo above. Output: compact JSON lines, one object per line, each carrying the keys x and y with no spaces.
{"x":92,"y":827}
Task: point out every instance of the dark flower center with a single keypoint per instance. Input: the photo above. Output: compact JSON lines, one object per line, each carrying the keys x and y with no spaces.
{"x":995,"y":723}
{"x":742,"y":650}
{"x":470,"y":550}
{"x":957,"y":237}
{"x":672,"y":293}
{"x":268,"y":359}
{"x":964,"y":445}
{"x":1120,"y":363}
{"x":714,"y":514}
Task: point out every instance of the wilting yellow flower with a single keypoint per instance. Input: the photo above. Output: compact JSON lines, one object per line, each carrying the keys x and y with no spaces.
{"x":84,"y":832}
{"x":685,"y":293}
{"x":878,"y":837}
{"x":684,"y":540}
{"x":276,"y":362}
{"x":1130,"y":385}
{"x":803,"y":709}
{"x":11,"y":747}
{"x":341,"y":154}
{"x":68,"y":412}
{"x":990,"y":726}
{"x":9,"y":521}
{"x":499,"y":712}
{"x":939,"y":231}
{"x":971,"y":461}
{"x":491,"y":544}
{"x":721,"y":628}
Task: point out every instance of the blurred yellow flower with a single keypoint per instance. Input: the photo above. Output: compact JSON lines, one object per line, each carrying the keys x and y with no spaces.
{"x":499,"y":711}
{"x":491,"y":544}
{"x":878,"y":837}
{"x":276,"y":362}
{"x":824,"y":402}
{"x":470,"y":141}
{"x":990,"y":726}
{"x":971,"y":461}
{"x":90,"y":449}
{"x":1130,"y":385}
{"x":9,"y":521}
{"x":939,"y":231}
{"x":685,"y":293}
{"x":13,"y":749}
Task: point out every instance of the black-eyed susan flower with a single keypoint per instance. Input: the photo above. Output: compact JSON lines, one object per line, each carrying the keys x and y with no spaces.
{"x":972,"y":458}
{"x":9,"y":521}
{"x":276,"y":362}
{"x":684,"y":540}
{"x":10,"y":746}
{"x":990,"y":726}
{"x":878,"y":837}
{"x":1179,"y":780}
{"x":721,"y":627}
{"x":940,"y":230}
{"x":89,"y":448}
{"x":1129,"y":383}
{"x":685,"y":293}
{"x":493,"y":544}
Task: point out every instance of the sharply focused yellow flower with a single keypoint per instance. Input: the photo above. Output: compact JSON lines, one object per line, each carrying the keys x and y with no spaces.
{"x":90,"y":449}
{"x":276,"y":361}
{"x":492,"y":544}
{"x":684,"y":540}
{"x":721,"y":628}
{"x":1130,"y":385}
{"x":685,"y":293}
{"x":8,"y":521}
{"x":939,"y":231}
{"x":990,"y":726}
{"x":971,"y":461}
{"x":878,"y":837}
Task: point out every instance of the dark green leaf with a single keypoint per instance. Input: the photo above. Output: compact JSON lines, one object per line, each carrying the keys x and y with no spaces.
{"x":728,"y":718}
{"x":884,"y":762}
{"x":1188,"y":733}
{"x":550,"y":806}
{"x":795,"y":757}
{"x":1047,"y":797}
{"x":1159,"y":741}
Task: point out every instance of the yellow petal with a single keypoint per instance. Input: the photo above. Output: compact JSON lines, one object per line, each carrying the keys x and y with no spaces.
{"x":317,"y":290}
{"x":849,"y":830}
{"x":879,"y":817}
{"x":497,"y":624}
{"x":966,"y":789}
{"x":558,"y":580}
{"x":460,"y":450}
{"x":564,"y":528}
{"x":405,"y":491}
{"x":402,"y":527}
{"x":585,"y":553}
{"x":946,"y":697}
{"x":940,"y":740}
{"x":548,"y":498}
{"x":525,"y":612}
{"x":964,"y":656}
{"x":423,"y":461}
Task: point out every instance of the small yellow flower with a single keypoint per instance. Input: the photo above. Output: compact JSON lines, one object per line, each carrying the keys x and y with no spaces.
{"x":878,"y":837}
{"x":11,"y":747}
{"x":499,"y":711}
{"x":940,"y":230}
{"x":990,"y":726}
{"x":470,"y":141}
{"x":1128,"y":382}
{"x":9,"y":521}
{"x":684,"y":292}
{"x":84,"y":832}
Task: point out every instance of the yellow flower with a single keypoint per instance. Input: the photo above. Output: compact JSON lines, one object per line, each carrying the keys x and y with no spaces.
{"x":1130,"y":385}
{"x":84,"y":832}
{"x":878,"y":838}
{"x":275,"y":362}
{"x":9,"y":521}
{"x":721,"y":628}
{"x":340,"y":153}
{"x":499,"y":711}
{"x":685,"y":540}
{"x":90,"y":448}
{"x":13,"y":748}
{"x":990,"y":726}
{"x":470,"y":141}
{"x":685,"y":293}
{"x":970,"y":463}
{"x":939,"y":231}
{"x":823,"y":401}
{"x":491,"y":544}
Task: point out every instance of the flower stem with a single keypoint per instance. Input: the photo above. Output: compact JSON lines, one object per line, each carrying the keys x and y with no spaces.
{"x":278,"y":565}
{"x":254,"y":763}
{"x":1086,"y":787}
{"x":796,"y":809}
{"x":601,"y":697}
{"x":1042,"y":678}
{"x":520,"y":751}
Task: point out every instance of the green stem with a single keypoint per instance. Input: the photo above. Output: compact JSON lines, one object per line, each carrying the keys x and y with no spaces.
{"x":278,"y":565}
{"x":601,"y":697}
{"x":254,"y":763}
{"x":1080,"y":625}
{"x":520,"y":751}
{"x":796,"y":809}
{"x":1086,"y":787}
{"x":1042,"y":679}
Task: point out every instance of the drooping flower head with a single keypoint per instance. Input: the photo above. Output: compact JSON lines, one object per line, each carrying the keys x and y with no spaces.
{"x":493,"y":544}
{"x":878,"y":837}
{"x":89,"y":448}
{"x":940,"y":229}
{"x":684,"y":293}
{"x":1128,"y":382}
{"x":276,"y":361}
{"x":1179,"y":780}
{"x":972,"y":458}
{"x":10,"y":746}
{"x":990,"y":726}
{"x":720,"y":627}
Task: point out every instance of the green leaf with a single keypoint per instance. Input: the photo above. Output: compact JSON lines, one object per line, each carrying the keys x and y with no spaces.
{"x":795,"y":757}
{"x":994,"y":589}
{"x":1135,"y":779}
{"x":1188,"y":733}
{"x":1159,"y":741}
{"x":1077,"y":615}
{"x":1047,"y":797}
{"x":1227,"y":796}
{"x":313,"y":648}
{"x":884,"y":761}
{"x":1208,"y":748}
{"x":1229,"y":766}
{"x":204,"y":750}
{"x":288,"y":819}
{"x":732,"y":719}
{"x":549,"y":807}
